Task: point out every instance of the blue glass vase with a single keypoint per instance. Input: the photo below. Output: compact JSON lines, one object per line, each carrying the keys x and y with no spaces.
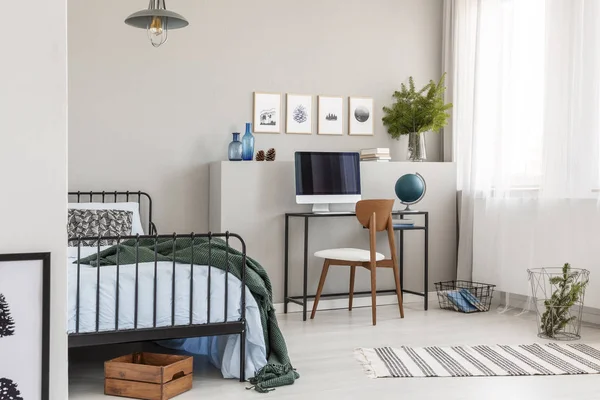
{"x":248,"y":144}
{"x":235,"y":148}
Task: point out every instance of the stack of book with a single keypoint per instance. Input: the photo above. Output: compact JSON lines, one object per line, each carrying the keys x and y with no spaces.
{"x":400,"y":223}
{"x":381,"y":154}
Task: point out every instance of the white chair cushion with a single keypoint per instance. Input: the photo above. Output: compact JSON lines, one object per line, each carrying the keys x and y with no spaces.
{"x":348,"y":255}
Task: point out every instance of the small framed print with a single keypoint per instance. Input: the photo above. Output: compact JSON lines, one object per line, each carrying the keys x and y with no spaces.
{"x":267,"y":112}
{"x":360,"y":116}
{"x":299,"y":114}
{"x":330,"y":120}
{"x":25,"y":326}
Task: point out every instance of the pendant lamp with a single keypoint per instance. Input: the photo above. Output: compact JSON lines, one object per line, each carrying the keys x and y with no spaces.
{"x":157,"y":21}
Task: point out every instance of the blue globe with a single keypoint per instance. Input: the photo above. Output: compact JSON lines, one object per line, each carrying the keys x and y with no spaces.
{"x":410,"y":188}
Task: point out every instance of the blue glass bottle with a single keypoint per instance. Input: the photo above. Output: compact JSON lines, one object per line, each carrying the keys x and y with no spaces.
{"x":235,"y":148}
{"x":248,"y":144}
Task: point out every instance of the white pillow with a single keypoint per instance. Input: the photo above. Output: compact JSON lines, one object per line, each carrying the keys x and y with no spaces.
{"x":136,"y":223}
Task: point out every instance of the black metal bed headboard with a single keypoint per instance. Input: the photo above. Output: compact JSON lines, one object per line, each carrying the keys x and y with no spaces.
{"x":117,"y":197}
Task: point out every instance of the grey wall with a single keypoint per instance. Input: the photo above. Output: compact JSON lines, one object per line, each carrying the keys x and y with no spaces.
{"x":153,"y":119}
{"x":33,"y":162}
{"x":258,"y":216}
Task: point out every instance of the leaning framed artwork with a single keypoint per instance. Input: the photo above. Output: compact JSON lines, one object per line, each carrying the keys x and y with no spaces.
{"x":360,"y":116}
{"x":299,"y":114}
{"x":330,"y":120}
{"x":25,"y":326}
{"x":267,"y":112}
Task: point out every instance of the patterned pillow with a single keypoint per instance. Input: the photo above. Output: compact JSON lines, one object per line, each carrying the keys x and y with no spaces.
{"x":94,"y":223}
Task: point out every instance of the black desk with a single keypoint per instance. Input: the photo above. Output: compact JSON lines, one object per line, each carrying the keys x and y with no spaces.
{"x":302,"y":300}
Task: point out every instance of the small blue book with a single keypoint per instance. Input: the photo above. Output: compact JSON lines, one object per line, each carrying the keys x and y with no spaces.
{"x":457,"y":298}
{"x":403,"y":226}
{"x":472,"y":299}
{"x":403,"y":223}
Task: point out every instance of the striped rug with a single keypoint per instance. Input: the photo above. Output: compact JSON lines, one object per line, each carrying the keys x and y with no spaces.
{"x":464,"y":361}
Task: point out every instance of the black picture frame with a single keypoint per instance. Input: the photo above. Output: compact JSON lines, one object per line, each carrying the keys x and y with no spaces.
{"x":44,"y":258}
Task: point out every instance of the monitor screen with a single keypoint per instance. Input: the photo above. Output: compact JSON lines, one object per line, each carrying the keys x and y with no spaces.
{"x":319,"y":174}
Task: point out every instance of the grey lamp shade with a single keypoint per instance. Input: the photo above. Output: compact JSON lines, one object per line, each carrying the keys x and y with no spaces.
{"x":142,"y":19}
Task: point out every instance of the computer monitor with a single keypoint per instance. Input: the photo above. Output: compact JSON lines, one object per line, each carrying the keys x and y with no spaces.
{"x":323,"y":178}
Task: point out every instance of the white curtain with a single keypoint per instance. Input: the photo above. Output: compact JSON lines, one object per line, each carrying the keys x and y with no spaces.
{"x":526,"y":130}
{"x":448,"y":67}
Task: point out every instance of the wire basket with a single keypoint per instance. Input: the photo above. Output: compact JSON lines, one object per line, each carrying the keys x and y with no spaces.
{"x":465,"y":296}
{"x":559,"y":294}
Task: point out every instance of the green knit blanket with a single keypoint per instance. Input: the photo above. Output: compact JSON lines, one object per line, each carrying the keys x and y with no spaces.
{"x":279,"y":370}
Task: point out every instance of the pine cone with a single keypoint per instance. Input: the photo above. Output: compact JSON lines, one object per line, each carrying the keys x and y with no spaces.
{"x":271,"y":154}
{"x":260,"y":155}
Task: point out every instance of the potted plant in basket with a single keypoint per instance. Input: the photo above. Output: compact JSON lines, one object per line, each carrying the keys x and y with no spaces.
{"x":416,"y":112}
{"x":559,"y":295}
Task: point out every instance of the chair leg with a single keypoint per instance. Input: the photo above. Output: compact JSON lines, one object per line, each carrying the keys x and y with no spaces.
{"x":374,"y":294}
{"x":320,"y":288}
{"x":352,"y":275}
{"x":398,"y":290}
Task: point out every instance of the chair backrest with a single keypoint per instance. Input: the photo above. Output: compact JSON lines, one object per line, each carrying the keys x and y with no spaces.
{"x":381,"y":208}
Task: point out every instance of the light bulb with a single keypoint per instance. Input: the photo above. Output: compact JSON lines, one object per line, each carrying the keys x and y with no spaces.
{"x":156,"y":26}
{"x":157,"y":31}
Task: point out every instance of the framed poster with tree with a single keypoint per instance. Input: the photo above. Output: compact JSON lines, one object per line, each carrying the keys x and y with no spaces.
{"x":330,"y":112}
{"x":24,"y":326}
{"x":267,"y":113}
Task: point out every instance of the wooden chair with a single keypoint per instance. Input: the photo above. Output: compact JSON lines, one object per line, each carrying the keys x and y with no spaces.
{"x":376,"y":215}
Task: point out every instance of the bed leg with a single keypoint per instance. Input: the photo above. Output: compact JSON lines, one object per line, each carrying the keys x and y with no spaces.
{"x":243,"y":355}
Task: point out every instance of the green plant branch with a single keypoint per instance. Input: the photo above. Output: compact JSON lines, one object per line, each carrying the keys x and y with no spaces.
{"x":417,"y":111}
{"x":568,"y":293}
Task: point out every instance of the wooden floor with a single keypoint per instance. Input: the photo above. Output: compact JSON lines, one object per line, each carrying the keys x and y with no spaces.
{"x":322,"y":352}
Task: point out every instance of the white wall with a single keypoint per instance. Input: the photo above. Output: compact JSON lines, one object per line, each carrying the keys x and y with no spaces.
{"x":153,"y":119}
{"x":258,"y":216}
{"x":33,"y":152}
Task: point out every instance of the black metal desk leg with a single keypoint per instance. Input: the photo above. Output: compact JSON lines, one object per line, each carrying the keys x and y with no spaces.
{"x":426,"y":260}
{"x":286,"y":266}
{"x":304,"y":293}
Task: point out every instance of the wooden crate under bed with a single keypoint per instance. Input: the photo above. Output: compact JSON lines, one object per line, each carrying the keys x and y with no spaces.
{"x":148,"y":376}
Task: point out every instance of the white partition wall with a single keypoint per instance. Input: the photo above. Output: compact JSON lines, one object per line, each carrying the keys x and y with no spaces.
{"x":33,"y":153}
{"x":251,"y":198}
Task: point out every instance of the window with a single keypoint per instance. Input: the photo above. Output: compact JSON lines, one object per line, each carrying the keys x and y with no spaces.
{"x":535,"y":120}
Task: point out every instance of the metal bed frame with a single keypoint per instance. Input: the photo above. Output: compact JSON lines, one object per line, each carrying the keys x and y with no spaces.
{"x":101,"y":337}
